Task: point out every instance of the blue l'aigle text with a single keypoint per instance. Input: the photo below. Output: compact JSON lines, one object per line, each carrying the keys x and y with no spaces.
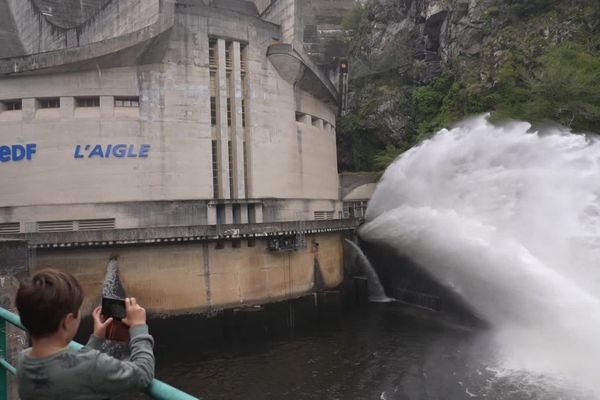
{"x":114,"y":150}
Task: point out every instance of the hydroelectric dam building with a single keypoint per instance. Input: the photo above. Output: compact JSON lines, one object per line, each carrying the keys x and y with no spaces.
{"x":193,"y":140}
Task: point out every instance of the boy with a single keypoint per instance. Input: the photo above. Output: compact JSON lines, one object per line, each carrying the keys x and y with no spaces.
{"x":48,"y":304}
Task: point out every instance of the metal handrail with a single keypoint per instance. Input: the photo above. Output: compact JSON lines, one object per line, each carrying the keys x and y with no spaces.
{"x":157,"y":390}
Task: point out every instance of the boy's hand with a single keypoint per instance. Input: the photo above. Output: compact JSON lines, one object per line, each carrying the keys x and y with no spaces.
{"x":100,"y":323}
{"x":136,"y":315}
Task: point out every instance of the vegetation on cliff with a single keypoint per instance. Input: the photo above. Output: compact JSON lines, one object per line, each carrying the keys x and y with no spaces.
{"x":537,"y":60}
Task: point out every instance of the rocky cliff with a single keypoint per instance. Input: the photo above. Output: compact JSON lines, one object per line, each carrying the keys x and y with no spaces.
{"x":418,"y":65}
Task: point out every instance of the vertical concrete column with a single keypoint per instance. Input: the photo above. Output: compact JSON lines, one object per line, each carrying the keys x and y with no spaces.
{"x":29,"y":106}
{"x":229,"y":214}
{"x":67,"y":107}
{"x":237,"y":125}
{"x":244,"y":213}
{"x":223,"y":129}
{"x":259,"y":213}
{"x":211,"y":217}
{"x":107,"y":107}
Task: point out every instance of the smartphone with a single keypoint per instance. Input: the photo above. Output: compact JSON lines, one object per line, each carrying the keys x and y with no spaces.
{"x":113,"y":307}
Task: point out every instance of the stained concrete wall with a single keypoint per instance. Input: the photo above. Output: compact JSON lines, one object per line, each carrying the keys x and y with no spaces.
{"x":286,"y":159}
{"x":38,"y":33}
{"x":198,"y":277}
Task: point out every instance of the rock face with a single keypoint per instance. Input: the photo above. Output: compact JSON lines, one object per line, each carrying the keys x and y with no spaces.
{"x":401,"y":45}
{"x":416,"y":37}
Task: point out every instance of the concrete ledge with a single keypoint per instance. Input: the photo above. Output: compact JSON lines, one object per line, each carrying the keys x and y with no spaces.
{"x":298,"y":70}
{"x":181,"y":234}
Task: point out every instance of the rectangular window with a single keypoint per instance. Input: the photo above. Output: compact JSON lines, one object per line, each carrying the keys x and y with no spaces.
{"x":220,"y":245}
{"x":237,"y":215}
{"x":243,"y":57}
{"x":212,"y":53}
{"x":220,"y":214}
{"x":236,"y":243}
{"x":11,"y":105}
{"x":245,"y":168}
{"x":243,"y":113}
{"x":53,"y":102}
{"x":215,"y":170}
{"x":213,"y":110}
{"x":87,"y":101}
{"x":251,"y":242}
{"x":127,"y":101}
{"x":251,"y":213}
{"x":228,"y":55}
{"x":228,"y":112}
{"x":230,"y":154}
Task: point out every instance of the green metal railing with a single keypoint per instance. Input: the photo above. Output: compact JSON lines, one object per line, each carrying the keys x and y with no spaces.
{"x":157,"y":390}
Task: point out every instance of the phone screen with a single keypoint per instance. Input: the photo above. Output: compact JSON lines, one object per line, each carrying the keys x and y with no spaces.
{"x":114,"y":308}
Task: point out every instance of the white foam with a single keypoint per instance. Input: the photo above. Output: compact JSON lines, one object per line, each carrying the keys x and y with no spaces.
{"x":510,"y":220}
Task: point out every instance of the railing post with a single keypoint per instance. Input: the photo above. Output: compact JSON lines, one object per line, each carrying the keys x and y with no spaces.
{"x":3,"y":354}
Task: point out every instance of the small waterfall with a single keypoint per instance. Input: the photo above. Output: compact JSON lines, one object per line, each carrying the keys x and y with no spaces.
{"x":376,"y":291}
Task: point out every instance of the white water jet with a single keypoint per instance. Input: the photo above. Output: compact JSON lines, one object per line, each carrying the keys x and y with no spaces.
{"x":376,"y":291}
{"x":510,"y":220}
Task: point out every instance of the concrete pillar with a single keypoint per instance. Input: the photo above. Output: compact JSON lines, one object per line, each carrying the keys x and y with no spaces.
{"x":237,"y":129}
{"x":259,"y":213}
{"x":243,"y":213}
{"x":67,"y":107}
{"x":228,"y":214}
{"x":223,"y":129}
{"x":29,"y":107}
{"x":211,"y":217}
{"x":107,"y":107}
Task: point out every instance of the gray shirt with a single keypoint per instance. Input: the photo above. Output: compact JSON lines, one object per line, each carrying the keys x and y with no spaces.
{"x":87,"y":374}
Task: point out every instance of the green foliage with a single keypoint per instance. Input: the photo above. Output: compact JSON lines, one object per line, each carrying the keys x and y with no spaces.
{"x":524,"y":8}
{"x":352,"y":21}
{"x":566,"y":88}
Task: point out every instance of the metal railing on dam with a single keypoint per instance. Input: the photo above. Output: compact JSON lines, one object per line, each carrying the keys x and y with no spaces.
{"x":157,"y":390}
{"x":114,"y":237}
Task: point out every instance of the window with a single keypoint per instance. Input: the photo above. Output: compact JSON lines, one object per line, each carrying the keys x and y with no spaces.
{"x":212,"y":53}
{"x":251,"y":242}
{"x":228,"y":55}
{"x":87,"y":101}
{"x":228,"y":112}
{"x":236,"y":210}
{"x":213,"y":99}
{"x":220,"y":214}
{"x":251,"y":213}
{"x":53,"y":102}
{"x":236,"y":243}
{"x":220,"y":245}
{"x":213,"y":111}
{"x":245,"y":168}
{"x":230,"y":154}
{"x":243,"y":57}
{"x":127,"y":101}
{"x":11,"y":105}
{"x":243,"y":113}
{"x":215,"y":170}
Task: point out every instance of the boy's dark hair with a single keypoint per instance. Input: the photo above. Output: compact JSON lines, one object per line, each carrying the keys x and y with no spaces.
{"x":46,"y":298}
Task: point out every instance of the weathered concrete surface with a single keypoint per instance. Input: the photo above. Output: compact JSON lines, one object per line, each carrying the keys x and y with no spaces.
{"x":350,"y":181}
{"x":10,"y":43}
{"x":196,"y":277}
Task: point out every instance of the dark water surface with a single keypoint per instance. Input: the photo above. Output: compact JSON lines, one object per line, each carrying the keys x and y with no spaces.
{"x":384,"y":351}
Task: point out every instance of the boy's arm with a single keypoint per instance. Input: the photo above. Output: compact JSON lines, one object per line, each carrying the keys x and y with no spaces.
{"x":112,"y":376}
{"x":95,"y":343}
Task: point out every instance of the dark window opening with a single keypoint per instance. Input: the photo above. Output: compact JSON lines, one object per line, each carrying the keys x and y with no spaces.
{"x":237,"y":215}
{"x":49,"y":103}
{"x":228,"y":112}
{"x":251,"y":242}
{"x":87,"y":102}
{"x":230,"y":151}
{"x":220,"y":245}
{"x":220,"y":214}
{"x":236,"y":243}
{"x":127,"y":101}
{"x":12,"y":105}
{"x":215,"y":170}
{"x":251,"y":213}
{"x":213,"y":110}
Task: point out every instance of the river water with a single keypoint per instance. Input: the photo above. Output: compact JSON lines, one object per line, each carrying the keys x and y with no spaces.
{"x":384,"y":351}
